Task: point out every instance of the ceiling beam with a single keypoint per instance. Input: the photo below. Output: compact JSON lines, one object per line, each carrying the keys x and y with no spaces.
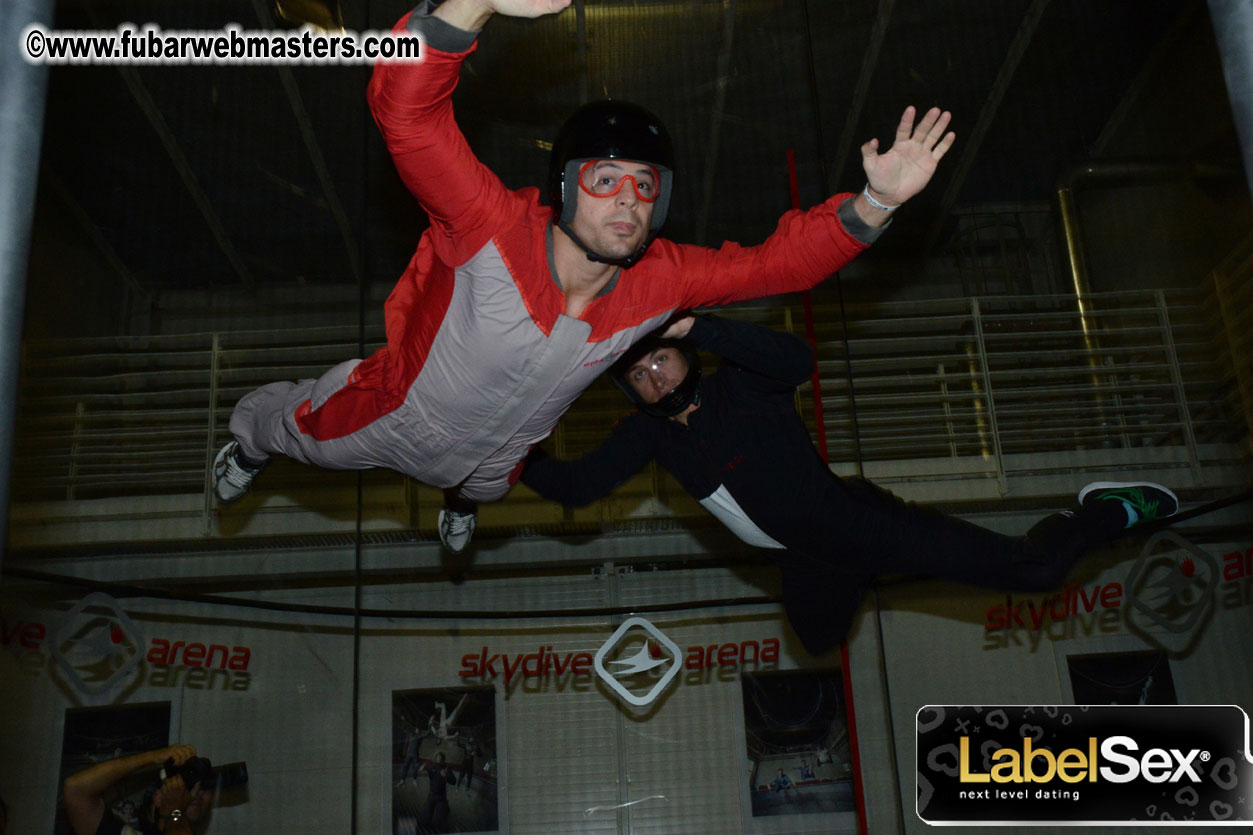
{"x":1168,"y":45}
{"x":852,"y":120}
{"x":580,"y":28}
{"x":156,"y":119}
{"x":987,"y":114}
{"x":715,"y":126}
{"x":97,"y":237}
{"x":316,"y":158}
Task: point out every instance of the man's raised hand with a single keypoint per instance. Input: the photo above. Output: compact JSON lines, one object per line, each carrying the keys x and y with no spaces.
{"x":527,"y":8}
{"x":905,"y":169}
{"x":471,"y":15}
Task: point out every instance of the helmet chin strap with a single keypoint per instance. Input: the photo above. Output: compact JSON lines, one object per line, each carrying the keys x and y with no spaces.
{"x":676,"y":407}
{"x":624,"y":262}
{"x":685,"y":394}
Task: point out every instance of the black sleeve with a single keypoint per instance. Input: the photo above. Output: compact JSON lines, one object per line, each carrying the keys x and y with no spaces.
{"x":579,"y":482}
{"x":778,"y":357}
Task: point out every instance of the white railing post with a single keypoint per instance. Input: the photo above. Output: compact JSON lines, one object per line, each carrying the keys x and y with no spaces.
{"x":1176,"y":378}
{"x":1001,"y":483}
{"x":948,"y":410}
{"x":209,"y":446}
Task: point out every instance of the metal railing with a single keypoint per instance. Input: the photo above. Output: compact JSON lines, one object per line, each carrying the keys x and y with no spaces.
{"x":1229,"y":309}
{"x":994,"y":388}
{"x":1024,"y":375}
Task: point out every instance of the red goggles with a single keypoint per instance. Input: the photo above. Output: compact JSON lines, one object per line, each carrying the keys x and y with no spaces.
{"x":607,"y":179}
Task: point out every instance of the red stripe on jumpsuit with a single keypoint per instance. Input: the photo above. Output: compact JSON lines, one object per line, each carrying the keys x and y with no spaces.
{"x":378,"y":385}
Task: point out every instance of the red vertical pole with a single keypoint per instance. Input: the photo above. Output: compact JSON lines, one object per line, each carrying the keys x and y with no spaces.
{"x":821,"y":427}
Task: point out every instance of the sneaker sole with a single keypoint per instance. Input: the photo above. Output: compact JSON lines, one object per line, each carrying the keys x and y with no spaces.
{"x":1118,"y":485}
{"x":217,"y":476}
{"x":218,"y":471}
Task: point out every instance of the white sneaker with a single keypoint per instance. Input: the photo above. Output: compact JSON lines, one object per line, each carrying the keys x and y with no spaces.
{"x":232,"y":473}
{"x":455,"y":529}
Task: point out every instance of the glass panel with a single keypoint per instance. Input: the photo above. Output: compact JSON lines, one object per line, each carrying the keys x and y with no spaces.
{"x":202,"y":231}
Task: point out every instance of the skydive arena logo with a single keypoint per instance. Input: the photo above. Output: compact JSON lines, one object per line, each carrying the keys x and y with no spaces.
{"x":1173,"y":582}
{"x":1166,"y":765}
{"x":638,"y":661}
{"x":97,"y":646}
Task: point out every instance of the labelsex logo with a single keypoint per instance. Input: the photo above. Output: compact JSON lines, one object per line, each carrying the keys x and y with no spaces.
{"x":1083,"y":764}
{"x":640,"y":655}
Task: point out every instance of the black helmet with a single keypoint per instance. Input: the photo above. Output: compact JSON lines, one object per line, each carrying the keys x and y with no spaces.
{"x":675,"y":401}
{"x":609,"y":130}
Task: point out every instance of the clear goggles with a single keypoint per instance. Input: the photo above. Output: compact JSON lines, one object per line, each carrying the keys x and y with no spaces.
{"x":665,"y":360}
{"x":604,"y":178}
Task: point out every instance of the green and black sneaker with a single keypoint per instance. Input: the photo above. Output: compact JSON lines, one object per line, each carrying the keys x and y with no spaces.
{"x":1143,"y":500}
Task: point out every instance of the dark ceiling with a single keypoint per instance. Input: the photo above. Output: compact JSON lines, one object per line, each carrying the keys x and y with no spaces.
{"x":222,"y":177}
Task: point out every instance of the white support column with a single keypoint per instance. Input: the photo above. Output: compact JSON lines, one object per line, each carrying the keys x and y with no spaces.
{"x":1233,"y":29}
{"x":23,"y":88}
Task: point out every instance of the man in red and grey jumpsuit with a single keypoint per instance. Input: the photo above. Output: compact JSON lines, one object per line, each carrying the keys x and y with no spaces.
{"x":510,"y":308}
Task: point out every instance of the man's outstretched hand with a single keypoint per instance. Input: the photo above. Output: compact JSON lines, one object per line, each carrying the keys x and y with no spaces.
{"x":471,"y":15}
{"x":905,"y":169}
{"x":527,"y":8}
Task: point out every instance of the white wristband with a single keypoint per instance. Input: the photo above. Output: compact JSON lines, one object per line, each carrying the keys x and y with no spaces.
{"x":881,"y":206}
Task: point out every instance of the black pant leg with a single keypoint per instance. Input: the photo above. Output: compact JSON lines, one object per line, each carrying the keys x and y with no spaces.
{"x":881,"y":534}
{"x":820,"y":602}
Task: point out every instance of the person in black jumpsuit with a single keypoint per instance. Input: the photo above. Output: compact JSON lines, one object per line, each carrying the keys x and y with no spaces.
{"x":735,"y":435}
{"x":435,"y":812}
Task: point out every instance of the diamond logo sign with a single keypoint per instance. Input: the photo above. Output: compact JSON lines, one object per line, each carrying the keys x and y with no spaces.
{"x":638,"y":662}
{"x":1172,"y":583}
{"x":99,"y":649}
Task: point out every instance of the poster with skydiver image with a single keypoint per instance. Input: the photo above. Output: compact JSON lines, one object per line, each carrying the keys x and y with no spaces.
{"x":799,"y":759}
{"x":444,"y":768}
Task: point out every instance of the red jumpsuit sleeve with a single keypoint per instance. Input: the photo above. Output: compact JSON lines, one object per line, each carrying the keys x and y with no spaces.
{"x":805,"y":248}
{"x":412,"y":106}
